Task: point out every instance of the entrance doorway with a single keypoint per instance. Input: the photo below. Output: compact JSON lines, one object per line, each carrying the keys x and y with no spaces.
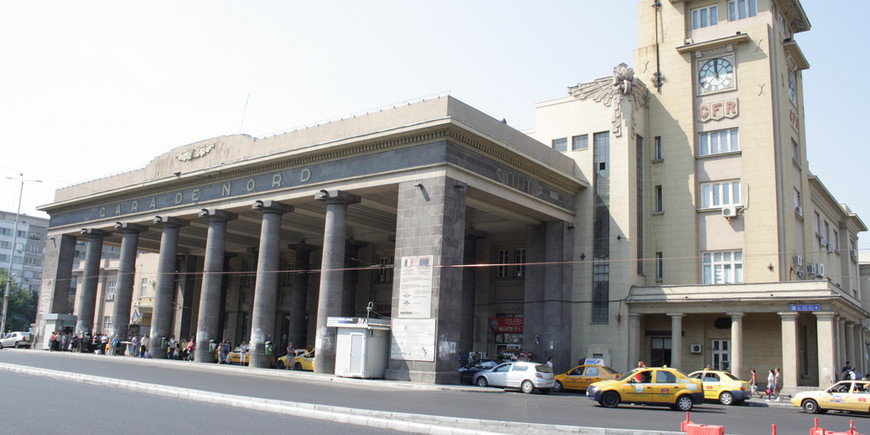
{"x":721,"y":355}
{"x":660,"y":351}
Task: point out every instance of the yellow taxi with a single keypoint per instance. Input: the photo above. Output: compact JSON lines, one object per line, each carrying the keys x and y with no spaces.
{"x":304,"y":360}
{"x":723,"y":386}
{"x":853,"y":396}
{"x":281,"y":362}
{"x":649,"y":386}
{"x":581,"y":376}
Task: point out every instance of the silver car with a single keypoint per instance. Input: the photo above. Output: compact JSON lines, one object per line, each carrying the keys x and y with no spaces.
{"x":525,"y":376}
{"x":15,"y":339}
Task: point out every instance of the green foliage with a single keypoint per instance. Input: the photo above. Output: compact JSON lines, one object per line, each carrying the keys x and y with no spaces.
{"x":22,"y":305}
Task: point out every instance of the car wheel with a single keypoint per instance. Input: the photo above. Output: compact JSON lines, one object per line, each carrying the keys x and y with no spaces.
{"x":810,"y":406}
{"x":481,"y":382}
{"x":298,"y":366}
{"x":685,"y":403}
{"x":610,"y":399}
{"x":1,"y":345}
{"x":726,"y":398}
{"x":557,"y":387}
{"x":527,"y":387}
{"x":279,"y":364}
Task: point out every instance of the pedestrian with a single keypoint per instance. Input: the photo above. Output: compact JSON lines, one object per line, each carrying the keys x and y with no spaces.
{"x":191,"y":348}
{"x":709,"y":367}
{"x":224,"y":352}
{"x":844,"y":373}
{"x":778,"y":384}
{"x":146,"y":344}
{"x":104,"y":343}
{"x":771,"y":386}
{"x":135,"y":346}
{"x":243,"y":351}
{"x":173,"y":346}
{"x":291,"y":353}
{"x":550,"y":363}
{"x":753,"y":384}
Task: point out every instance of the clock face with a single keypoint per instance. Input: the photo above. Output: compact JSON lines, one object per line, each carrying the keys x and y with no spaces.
{"x":716,"y":74}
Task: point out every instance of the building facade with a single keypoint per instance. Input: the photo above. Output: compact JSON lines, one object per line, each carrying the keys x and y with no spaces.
{"x":665,"y":213}
{"x":23,"y":244}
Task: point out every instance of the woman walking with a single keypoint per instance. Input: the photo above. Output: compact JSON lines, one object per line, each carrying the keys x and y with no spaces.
{"x":771,"y":386}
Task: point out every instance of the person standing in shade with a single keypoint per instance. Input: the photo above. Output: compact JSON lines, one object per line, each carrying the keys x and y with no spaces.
{"x":550,"y":362}
{"x":771,"y":386}
{"x":291,"y":353}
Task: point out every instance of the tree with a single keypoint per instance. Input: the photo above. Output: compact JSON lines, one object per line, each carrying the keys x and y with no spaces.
{"x":21,"y":312}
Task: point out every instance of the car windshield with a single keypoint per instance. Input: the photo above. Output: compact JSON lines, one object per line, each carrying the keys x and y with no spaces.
{"x":627,"y":375}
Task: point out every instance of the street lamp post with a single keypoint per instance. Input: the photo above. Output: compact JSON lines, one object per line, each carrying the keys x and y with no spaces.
{"x":12,"y":256}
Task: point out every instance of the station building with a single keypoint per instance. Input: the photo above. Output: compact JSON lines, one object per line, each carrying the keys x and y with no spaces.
{"x":664,"y":213}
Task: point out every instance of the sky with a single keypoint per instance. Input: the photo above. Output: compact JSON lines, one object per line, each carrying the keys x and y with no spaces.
{"x":94,"y":88}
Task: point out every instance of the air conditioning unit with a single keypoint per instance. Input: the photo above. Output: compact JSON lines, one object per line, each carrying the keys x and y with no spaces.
{"x":820,"y":270}
{"x":830,"y":247}
{"x":695,"y":348}
{"x":797,"y":260}
{"x":799,"y":210}
{"x":811,"y":269}
{"x":853,"y":253}
{"x":729,"y":211}
{"x":822,"y":242}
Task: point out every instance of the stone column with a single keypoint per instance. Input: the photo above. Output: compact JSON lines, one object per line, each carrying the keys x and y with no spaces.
{"x":126,"y":274}
{"x":466,"y":329}
{"x":634,"y":334}
{"x":266,"y":286}
{"x":737,"y":344}
{"x":351,"y":278}
{"x":841,"y":342}
{"x":212,"y":277}
{"x":86,"y":298}
{"x":676,"y":339}
{"x":56,"y":281}
{"x":826,"y":325}
{"x":161,"y":317}
{"x":331,"y":279}
{"x":790,"y":365}
{"x":298,"y":334}
{"x":849,"y":343}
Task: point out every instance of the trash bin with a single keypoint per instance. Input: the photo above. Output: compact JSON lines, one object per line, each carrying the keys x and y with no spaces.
{"x":211,"y":346}
{"x":164,"y":343}
{"x":268,"y":348}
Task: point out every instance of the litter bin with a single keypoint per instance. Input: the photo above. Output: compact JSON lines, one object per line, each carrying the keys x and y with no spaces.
{"x":268,"y":348}
{"x":361,"y":347}
{"x":211,"y":346}
{"x":164,"y":343}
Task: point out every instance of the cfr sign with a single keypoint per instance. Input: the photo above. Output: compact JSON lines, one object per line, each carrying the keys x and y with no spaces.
{"x":718,"y":110}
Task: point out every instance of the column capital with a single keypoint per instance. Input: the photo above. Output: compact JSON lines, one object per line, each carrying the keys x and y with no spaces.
{"x":841,"y":319}
{"x":735,"y":314}
{"x":675,"y":315}
{"x":825,"y":315}
{"x":269,"y":206}
{"x":788,"y":315}
{"x":850,"y":323}
{"x":130,"y":227}
{"x":336,"y":197}
{"x":217,"y":215}
{"x":169,"y":222}
{"x":633,"y":315}
{"x":93,"y":233}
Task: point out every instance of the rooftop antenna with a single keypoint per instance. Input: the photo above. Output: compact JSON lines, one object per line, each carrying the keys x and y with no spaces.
{"x":245,"y":110}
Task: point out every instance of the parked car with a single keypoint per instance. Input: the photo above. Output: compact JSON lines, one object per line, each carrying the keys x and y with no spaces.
{"x":649,"y":386}
{"x":523,"y":375}
{"x":851,"y":396}
{"x":466,"y":373}
{"x":723,"y":386}
{"x":237,"y":354}
{"x":580,"y":377}
{"x":15,"y":339}
{"x":282,"y":361}
{"x":304,"y":361}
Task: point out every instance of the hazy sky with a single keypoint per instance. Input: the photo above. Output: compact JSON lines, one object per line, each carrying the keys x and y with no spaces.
{"x":89,"y":89}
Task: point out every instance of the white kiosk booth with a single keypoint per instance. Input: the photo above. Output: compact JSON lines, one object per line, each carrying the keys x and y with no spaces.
{"x":362,"y":346}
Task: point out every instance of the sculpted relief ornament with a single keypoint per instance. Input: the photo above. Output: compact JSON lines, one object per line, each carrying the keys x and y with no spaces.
{"x":194,"y":153}
{"x":622,"y":85}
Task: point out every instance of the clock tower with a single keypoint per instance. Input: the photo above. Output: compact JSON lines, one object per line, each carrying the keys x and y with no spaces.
{"x":725,"y":107}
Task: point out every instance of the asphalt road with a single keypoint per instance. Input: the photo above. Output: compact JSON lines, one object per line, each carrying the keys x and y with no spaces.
{"x":467,"y":402}
{"x":43,"y":406}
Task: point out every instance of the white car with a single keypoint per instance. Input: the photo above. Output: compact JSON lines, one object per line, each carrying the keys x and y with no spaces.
{"x":15,"y":339}
{"x":525,"y":376}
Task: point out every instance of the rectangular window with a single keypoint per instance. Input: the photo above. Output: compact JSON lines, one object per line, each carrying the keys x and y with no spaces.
{"x":722,"y":267}
{"x":110,"y":291}
{"x":107,"y":323}
{"x":722,"y":355}
{"x":22,"y":233}
{"x":740,"y":9}
{"x":827,"y":232}
{"x":835,"y":241}
{"x":720,"y":193}
{"x":560,"y":144}
{"x":817,"y":225}
{"x":5,"y":231}
{"x":501,"y":270}
{"x":520,"y":260}
{"x":795,"y":152}
{"x":659,"y":201}
{"x":660,"y":266}
{"x":580,"y":142}
{"x":657,"y":149}
{"x":718,"y":142}
{"x":384,"y":275}
{"x":797,"y":203}
{"x":703,"y":17}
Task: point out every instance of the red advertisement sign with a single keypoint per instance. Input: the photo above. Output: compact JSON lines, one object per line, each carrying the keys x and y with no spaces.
{"x":506,"y":324}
